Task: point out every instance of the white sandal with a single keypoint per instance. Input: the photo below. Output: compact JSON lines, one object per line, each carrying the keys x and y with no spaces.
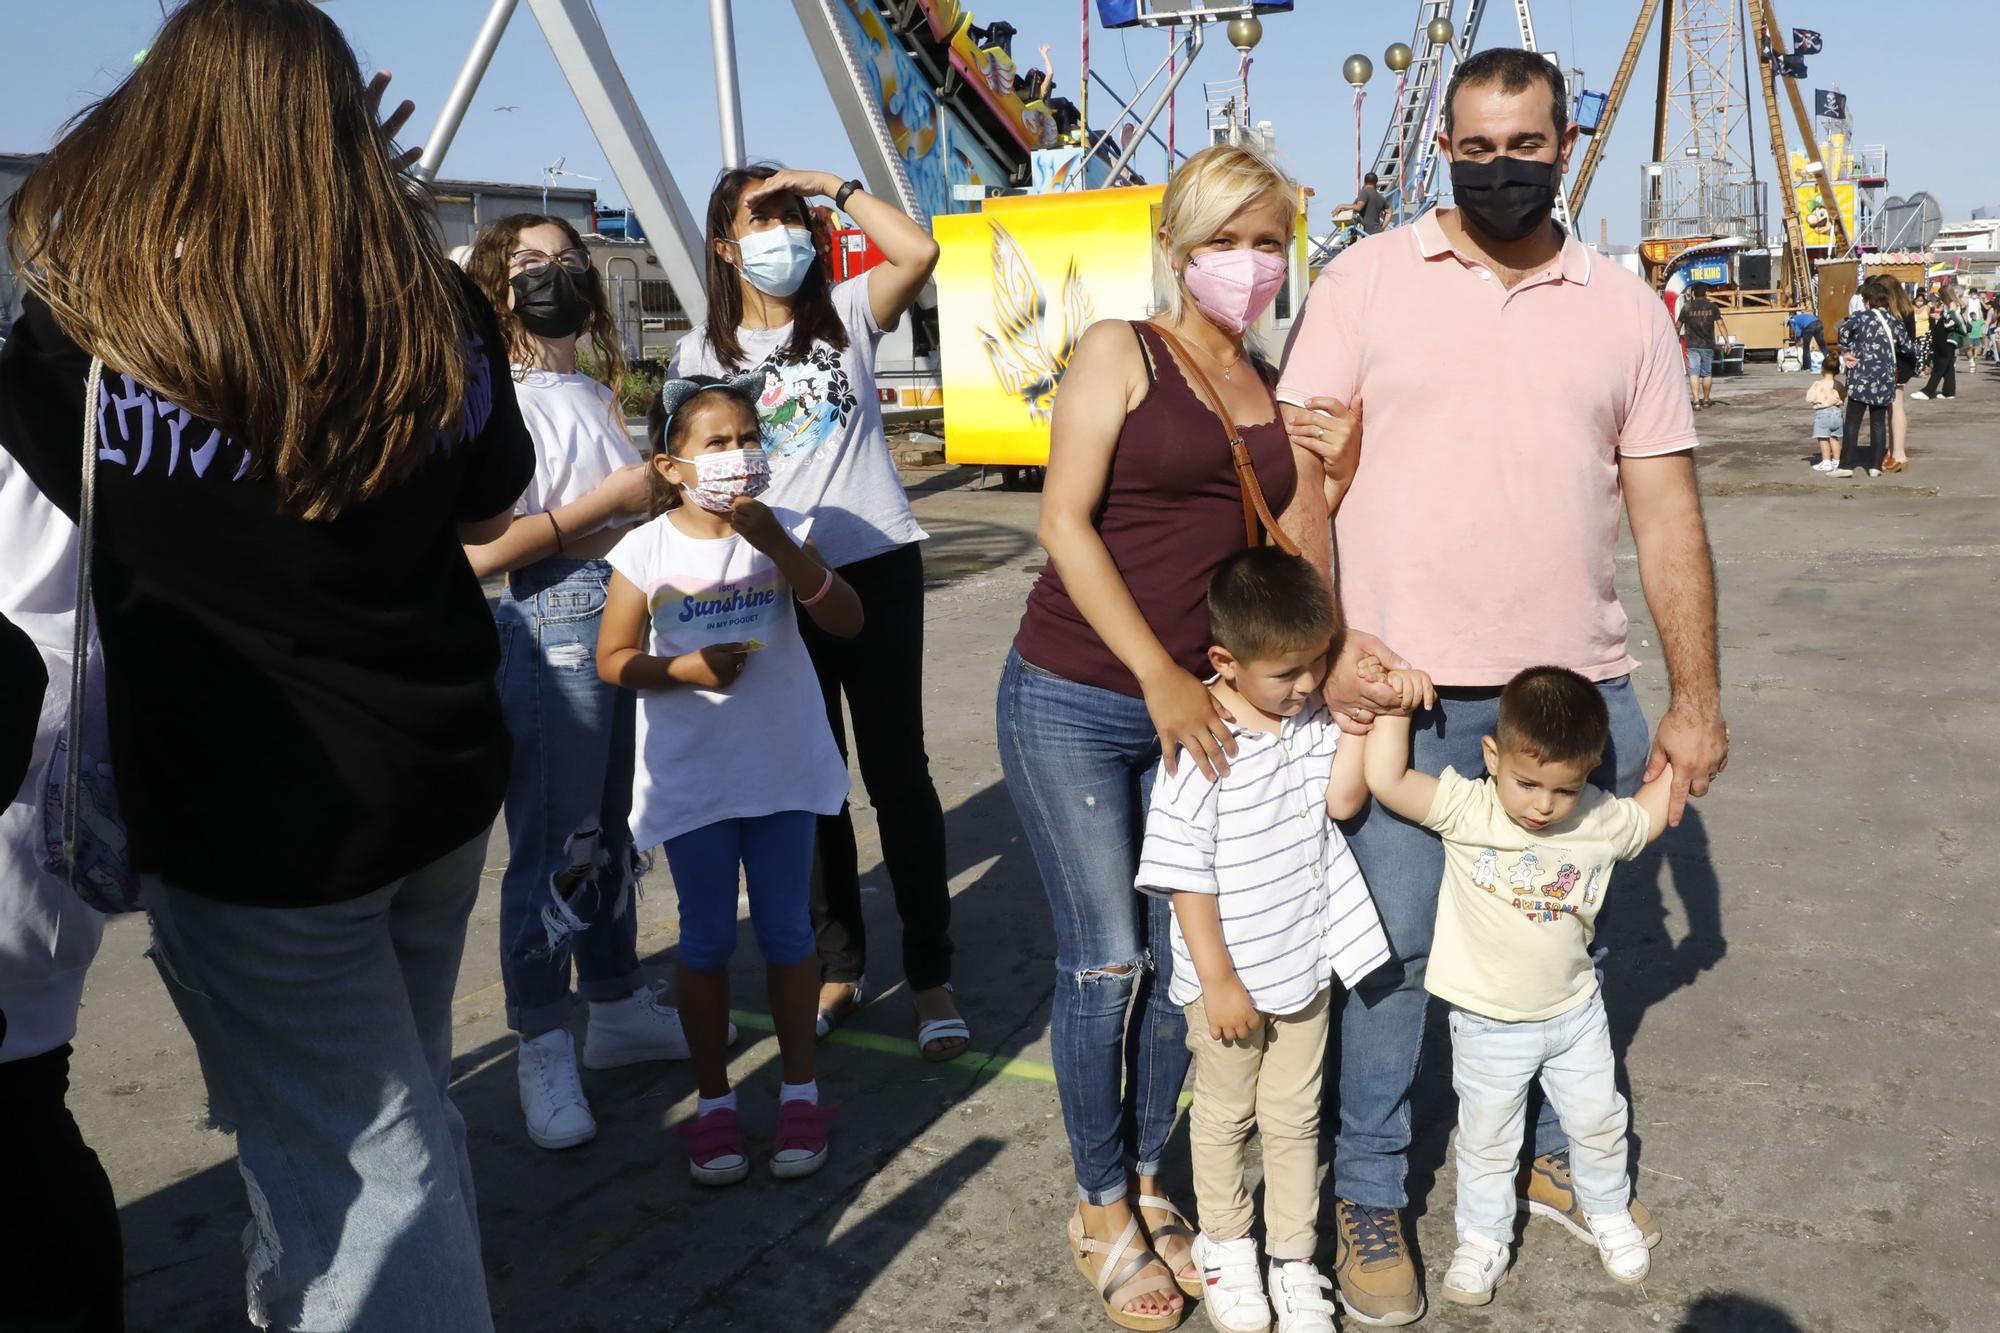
{"x":942,"y":1029}
{"x":1118,"y":1286}
{"x":1190,"y":1286}
{"x":829,"y":1019}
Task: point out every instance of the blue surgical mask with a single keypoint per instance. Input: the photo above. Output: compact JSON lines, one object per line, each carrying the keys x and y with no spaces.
{"x":775,"y":261}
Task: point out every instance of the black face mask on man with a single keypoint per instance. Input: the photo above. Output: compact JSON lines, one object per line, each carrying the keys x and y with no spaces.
{"x":1506,"y":198}
{"x":553,"y":302}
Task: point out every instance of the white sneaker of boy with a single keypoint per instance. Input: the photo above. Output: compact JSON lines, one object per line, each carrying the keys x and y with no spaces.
{"x":1477,"y":1267}
{"x":1621,"y":1247}
{"x":633,"y":1030}
{"x":1231,"y":1288}
{"x":1296,"y":1297}
{"x":552,"y":1099}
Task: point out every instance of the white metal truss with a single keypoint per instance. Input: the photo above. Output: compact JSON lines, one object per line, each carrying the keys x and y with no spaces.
{"x":1706,"y":109}
{"x":580,"y":47}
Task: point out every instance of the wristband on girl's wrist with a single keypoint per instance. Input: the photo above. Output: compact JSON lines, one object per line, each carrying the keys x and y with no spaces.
{"x":824,"y":589}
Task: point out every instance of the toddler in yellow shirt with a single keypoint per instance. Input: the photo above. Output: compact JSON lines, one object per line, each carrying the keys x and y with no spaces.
{"x":1529,"y":850}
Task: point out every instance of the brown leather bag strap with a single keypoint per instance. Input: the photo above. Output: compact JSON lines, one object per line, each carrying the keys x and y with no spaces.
{"x":1256,"y":509}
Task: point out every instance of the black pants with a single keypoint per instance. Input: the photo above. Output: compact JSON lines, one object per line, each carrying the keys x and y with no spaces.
{"x":1944,"y":371}
{"x":62,"y":1270}
{"x":1852,"y":455}
{"x":1814,"y":333}
{"x":881,"y":671}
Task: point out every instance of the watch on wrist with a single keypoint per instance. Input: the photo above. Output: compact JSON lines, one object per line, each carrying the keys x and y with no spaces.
{"x":840,"y":198}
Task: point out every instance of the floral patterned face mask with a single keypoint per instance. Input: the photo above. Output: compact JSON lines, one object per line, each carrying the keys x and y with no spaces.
{"x":721,"y":477}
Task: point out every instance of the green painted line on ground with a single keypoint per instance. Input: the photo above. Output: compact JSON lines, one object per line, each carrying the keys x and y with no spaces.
{"x":1012,"y":1066}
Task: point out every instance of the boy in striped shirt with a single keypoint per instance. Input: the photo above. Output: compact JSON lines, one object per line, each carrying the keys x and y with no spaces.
{"x":1269,"y":906}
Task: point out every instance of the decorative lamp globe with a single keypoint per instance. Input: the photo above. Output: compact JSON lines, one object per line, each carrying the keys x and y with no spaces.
{"x":1358,"y":70}
{"x":1398,"y":57}
{"x":1245,"y":33}
{"x":1439,"y":32}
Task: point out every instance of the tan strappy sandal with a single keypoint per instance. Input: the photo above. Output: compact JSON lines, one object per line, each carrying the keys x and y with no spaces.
{"x":1190,"y":1286}
{"x":1119,"y":1280}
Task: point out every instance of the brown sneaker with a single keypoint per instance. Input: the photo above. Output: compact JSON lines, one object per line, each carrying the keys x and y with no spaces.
{"x":1546,"y":1190}
{"x":1371,"y":1264}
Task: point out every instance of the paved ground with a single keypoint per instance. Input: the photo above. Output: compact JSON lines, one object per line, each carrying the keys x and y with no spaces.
{"x":1802,"y":990}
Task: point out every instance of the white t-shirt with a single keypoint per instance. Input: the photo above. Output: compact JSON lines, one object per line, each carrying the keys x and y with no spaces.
{"x":757,"y":748}
{"x":823,"y":430}
{"x":1295,"y":911}
{"x":580,"y":437}
{"x":1517,"y":909}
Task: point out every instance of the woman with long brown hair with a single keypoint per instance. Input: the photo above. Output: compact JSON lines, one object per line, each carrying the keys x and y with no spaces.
{"x":1897,"y":302}
{"x":298,"y":426}
{"x":567,"y":898}
{"x":773,"y":309}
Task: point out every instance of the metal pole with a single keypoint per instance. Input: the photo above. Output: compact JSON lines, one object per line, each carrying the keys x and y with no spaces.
{"x":1173,"y":51}
{"x":1083,"y":76}
{"x":1194,"y":45}
{"x":453,"y":113}
{"x":728,"y":101}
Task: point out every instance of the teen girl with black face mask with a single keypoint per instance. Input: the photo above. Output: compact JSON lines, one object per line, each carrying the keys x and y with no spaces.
{"x":773,"y":310}
{"x":567,"y":895}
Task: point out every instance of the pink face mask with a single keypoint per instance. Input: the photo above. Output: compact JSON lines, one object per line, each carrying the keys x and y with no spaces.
{"x":1232,"y":287}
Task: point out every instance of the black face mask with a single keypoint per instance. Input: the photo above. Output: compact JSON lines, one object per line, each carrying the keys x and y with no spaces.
{"x":554,"y":303}
{"x":1506,"y":198}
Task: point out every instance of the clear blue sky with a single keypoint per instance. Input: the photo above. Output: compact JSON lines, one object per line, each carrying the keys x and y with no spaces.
{"x":1919,"y":77}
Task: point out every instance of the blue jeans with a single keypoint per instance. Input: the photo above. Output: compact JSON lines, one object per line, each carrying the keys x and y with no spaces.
{"x":1079,"y":763}
{"x":1494,"y":1063}
{"x":568,"y":891}
{"x":1382,"y":1028}
{"x":775,"y":853}
{"x":324,"y":1035}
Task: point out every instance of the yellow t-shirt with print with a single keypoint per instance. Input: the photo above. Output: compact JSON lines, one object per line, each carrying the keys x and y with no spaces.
{"x":1517,"y":908}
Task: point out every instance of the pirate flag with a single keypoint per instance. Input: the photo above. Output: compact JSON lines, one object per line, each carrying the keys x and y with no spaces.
{"x":1788,"y":65}
{"x":1807,"y":42}
{"x":1829,"y":105}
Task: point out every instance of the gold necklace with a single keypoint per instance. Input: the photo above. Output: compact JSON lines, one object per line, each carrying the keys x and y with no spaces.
{"x":1227,"y":370}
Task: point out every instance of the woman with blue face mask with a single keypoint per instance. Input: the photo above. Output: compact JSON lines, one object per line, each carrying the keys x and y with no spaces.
{"x":774,"y":311}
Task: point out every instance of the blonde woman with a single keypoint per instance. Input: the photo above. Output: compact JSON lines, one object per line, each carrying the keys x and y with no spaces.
{"x":1140,"y":505}
{"x":300,"y":423}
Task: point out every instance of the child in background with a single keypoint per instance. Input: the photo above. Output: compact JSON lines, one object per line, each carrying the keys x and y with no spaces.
{"x":1828,"y":398}
{"x":736,"y":759}
{"x":1268,"y":906}
{"x":1528,"y":856}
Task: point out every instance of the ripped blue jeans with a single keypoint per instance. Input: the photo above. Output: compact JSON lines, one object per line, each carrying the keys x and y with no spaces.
{"x":1079,"y":763}
{"x":568,"y":894}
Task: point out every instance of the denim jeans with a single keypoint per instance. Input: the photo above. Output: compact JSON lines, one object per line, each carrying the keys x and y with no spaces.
{"x":1382,"y":1027}
{"x":324,"y":1035}
{"x":880,"y":672}
{"x":1493,"y":1064}
{"x":1079,"y":763}
{"x":771,"y":856}
{"x":567,"y":894}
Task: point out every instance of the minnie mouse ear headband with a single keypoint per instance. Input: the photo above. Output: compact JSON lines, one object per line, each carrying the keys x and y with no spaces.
{"x":676,"y":394}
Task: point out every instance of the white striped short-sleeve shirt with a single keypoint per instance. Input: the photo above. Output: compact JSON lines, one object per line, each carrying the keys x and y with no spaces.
{"x":1295,"y":911}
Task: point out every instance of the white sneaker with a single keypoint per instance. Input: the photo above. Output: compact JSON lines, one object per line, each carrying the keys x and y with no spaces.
{"x":1477,"y":1267}
{"x":1918,"y":395}
{"x":1874,"y":471}
{"x":551,"y":1095}
{"x":1841,"y":472}
{"x":633,"y":1030}
{"x":1824,"y":465}
{"x":1231,"y":1288}
{"x":1621,"y":1246}
{"x":1295,"y":1287}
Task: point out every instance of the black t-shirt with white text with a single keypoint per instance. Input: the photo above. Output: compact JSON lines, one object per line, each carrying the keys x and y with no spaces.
{"x":300,"y":711}
{"x":1698,"y":322}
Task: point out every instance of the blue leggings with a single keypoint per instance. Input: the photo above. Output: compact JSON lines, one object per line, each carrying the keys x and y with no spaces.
{"x":775,"y":852}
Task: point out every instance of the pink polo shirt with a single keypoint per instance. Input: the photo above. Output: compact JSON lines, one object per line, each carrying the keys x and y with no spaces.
{"x":1481,"y":530}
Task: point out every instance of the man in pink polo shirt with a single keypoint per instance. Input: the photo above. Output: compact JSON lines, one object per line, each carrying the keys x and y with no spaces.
{"x":1478,"y":537}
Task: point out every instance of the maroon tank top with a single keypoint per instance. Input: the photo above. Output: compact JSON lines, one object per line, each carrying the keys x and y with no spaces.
{"x":1172,"y":511}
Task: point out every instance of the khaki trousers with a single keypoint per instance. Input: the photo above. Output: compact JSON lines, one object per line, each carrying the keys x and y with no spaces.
{"x":1270,"y":1080}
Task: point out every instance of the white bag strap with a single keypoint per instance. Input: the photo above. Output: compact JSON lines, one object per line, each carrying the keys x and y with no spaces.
{"x":79,"y":670}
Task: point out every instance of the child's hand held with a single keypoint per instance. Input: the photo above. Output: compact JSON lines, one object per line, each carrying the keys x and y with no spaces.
{"x":715,"y":667}
{"x":1231,"y":1015}
{"x":756,"y":524}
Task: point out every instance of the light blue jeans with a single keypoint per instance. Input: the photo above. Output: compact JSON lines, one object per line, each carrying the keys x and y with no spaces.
{"x":1493,"y":1064}
{"x":1382,"y":1027}
{"x":324,"y":1035}
{"x":567,"y":894}
{"x":1079,"y":762}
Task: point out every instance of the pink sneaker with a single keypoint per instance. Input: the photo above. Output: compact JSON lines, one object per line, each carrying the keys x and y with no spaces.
{"x":717,"y":1154}
{"x":800,"y":1148}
